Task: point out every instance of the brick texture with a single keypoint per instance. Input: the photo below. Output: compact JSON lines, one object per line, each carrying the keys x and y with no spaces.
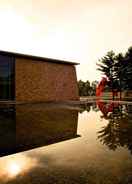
{"x":44,"y":81}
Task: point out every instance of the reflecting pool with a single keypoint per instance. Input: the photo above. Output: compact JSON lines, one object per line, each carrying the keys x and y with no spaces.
{"x":71,"y":144}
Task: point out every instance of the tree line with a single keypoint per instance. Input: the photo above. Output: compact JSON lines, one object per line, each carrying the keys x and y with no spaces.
{"x":87,"y":88}
{"x":118,"y":70}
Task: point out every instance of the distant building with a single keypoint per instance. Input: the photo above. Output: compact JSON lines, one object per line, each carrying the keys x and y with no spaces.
{"x":26,"y":78}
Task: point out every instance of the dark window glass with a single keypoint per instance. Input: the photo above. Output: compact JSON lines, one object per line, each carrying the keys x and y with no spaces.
{"x":6,"y":78}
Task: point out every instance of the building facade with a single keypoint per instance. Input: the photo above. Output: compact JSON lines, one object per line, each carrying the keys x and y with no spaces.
{"x":25,"y":78}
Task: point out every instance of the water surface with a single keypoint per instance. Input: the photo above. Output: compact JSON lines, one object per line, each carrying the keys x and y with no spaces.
{"x":89,"y":144}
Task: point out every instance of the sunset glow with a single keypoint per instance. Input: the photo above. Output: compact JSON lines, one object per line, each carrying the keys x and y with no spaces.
{"x":80,"y":31}
{"x":13,"y":166}
{"x":14,"y":169}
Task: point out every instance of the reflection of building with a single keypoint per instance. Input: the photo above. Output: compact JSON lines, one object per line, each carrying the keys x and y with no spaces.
{"x":29,"y":78}
{"x":31,"y":126}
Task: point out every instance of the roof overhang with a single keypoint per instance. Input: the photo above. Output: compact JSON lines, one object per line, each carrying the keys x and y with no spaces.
{"x":45,"y":59}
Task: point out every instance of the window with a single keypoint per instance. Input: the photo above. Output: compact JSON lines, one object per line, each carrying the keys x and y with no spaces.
{"x":7,"y":78}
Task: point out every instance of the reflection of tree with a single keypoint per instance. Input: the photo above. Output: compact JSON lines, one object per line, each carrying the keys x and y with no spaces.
{"x":95,"y":107}
{"x":88,"y":106}
{"x":118,"y":132}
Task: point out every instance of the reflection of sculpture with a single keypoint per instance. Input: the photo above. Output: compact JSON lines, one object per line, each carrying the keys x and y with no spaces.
{"x":30,"y":126}
{"x":118,"y":132}
{"x":106,"y":108}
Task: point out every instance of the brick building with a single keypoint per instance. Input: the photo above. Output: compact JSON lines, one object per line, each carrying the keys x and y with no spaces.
{"x":26,"y":78}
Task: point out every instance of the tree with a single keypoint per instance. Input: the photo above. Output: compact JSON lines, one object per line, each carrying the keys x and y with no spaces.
{"x":107,"y":66}
{"x":119,"y":71}
{"x":94,"y":86}
{"x":81,"y":87}
{"x":128,"y":69}
{"x":85,"y":89}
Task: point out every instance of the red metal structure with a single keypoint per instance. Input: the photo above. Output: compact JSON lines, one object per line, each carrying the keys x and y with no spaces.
{"x":105,"y":108}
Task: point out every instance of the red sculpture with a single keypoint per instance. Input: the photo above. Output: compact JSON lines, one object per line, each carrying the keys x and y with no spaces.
{"x":105,"y":108}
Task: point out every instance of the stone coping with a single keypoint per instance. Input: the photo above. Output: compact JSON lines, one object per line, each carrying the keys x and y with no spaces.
{"x":68,"y":102}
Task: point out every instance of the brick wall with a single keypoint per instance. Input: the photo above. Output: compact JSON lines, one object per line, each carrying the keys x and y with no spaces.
{"x":44,"y":81}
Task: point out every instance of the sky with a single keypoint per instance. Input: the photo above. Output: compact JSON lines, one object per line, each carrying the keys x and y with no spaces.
{"x":75,"y":30}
